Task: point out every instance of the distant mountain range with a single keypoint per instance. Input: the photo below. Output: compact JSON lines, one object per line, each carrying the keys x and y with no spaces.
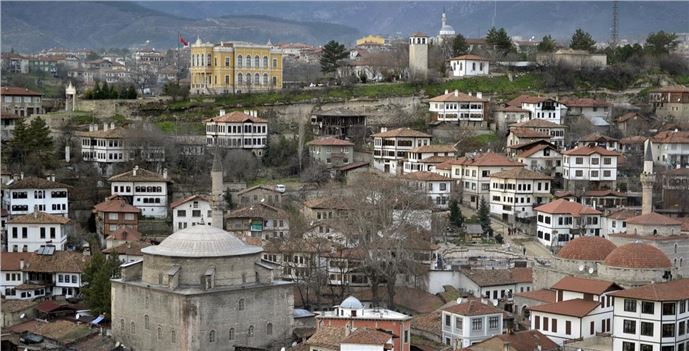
{"x":31,"y":26}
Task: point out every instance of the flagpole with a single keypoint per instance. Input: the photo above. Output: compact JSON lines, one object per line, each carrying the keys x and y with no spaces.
{"x":179,"y":39}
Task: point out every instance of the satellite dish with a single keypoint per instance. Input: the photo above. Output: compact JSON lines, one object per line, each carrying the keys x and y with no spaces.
{"x":591,"y":270}
{"x":459,"y":301}
{"x":581,"y":268}
{"x":22,"y":316}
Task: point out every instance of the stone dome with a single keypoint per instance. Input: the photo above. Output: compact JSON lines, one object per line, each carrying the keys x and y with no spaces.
{"x":446,"y":30}
{"x":352,"y":303}
{"x":587,"y":248}
{"x":201,"y":241}
{"x":637,"y":255}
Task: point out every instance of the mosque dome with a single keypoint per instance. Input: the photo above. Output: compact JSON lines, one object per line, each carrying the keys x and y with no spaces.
{"x":201,"y":241}
{"x":445,"y":29}
{"x":351,"y":303}
{"x":587,"y":248}
{"x":637,"y":255}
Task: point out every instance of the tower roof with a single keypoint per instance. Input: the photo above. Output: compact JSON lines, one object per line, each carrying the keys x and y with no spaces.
{"x":217,"y":162}
{"x":648,"y":155}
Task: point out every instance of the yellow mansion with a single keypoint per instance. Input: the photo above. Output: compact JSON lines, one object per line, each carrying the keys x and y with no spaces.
{"x":234,"y":67}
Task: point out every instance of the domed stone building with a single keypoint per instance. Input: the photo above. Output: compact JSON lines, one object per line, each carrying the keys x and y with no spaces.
{"x":628,"y":265}
{"x":201,"y":289}
{"x":446,"y":31}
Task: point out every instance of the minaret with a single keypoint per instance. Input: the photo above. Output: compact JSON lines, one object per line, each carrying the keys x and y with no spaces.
{"x":217,"y":195}
{"x":443,"y":20}
{"x":648,"y":178}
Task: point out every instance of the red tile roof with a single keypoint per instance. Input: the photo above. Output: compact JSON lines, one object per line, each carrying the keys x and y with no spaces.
{"x":493,"y":277}
{"x":435,"y":148}
{"x":142,"y":175}
{"x":132,"y":248}
{"x":602,"y":193}
{"x":413,"y":299}
{"x":38,"y":217}
{"x":520,"y":173}
{"x":511,"y":109}
{"x":668,"y":291}
{"x":473,"y":307}
{"x":184,"y":200}
{"x":429,"y":323}
{"x":330,"y":141}
{"x":534,"y":149}
{"x":10,"y":261}
{"x":528,"y":99}
{"x":637,"y":255}
{"x":402,"y":132}
{"x":58,"y":262}
{"x":235,"y":117}
{"x":543,"y":295}
{"x":489,"y":159}
{"x":125,"y":234}
{"x":672,"y":89}
{"x":425,"y":177}
{"x":584,"y":285}
{"x":116,"y":204}
{"x":653,"y":218}
{"x":595,"y":137}
{"x":537,"y":123}
{"x":574,"y":308}
{"x":622,"y":214}
{"x":589,"y":150}
{"x":671,"y":137}
{"x":329,"y":337}
{"x":259,"y":210}
{"x":459,"y":97}
{"x":528,"y":133}
{"x":525,"y":340}
{"x":18,"y":91}
{"x":587,"y":248}
{"x":562,"y":206}
{"x":469,"y":57}
{"x":585,"y":102}
{"x":365,"y":336}
{"x":36,"y":183}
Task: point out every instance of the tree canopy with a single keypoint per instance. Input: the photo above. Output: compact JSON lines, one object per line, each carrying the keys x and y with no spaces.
{"x":547,"y":44}
{"x":459,"y":46}
{"x":484,"y":216}
{"x":32,"y":143}
{"x":97,"y":276}
{"x":333,"y":53}
{"x":582,"y":41}
{"x":105,"y":91}
{"x":456,"y":217}
{"x":661,"y":43}
{"x":499,"y":40}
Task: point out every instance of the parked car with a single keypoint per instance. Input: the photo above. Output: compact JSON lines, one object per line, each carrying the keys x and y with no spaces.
{"x":281,"y":188}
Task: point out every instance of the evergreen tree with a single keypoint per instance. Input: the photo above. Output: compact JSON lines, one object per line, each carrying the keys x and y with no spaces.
{"x":39,"y":142}
{"x":332,"y":55}
{"x":582,"y":41}
{"x":661,"y":43}
{"x":19,"y":142}
{"x":484,"y":216}
{"x":499,"y":40}
{"x":456,"y":217}
{"x":97,"y":276}
{"x":547,"y":44}
{"x":459,"y":46}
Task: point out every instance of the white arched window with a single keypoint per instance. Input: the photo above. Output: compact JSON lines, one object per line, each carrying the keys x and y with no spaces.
{"x":239,"y":61}
{"x":257,"y":62}
{"x":265,"y":79}
{"x":239,"y":78}
{"x":257,"y":78}
{"x":265,"y":61}
{"x":248,"y":61}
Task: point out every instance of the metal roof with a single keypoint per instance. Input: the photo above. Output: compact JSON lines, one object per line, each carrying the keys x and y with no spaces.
{"x":201,"y":241}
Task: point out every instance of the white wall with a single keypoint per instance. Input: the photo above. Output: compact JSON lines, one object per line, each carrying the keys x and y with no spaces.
{"x":43,"y":198}
{"x":179,"y":223}
{"x":33,"y":239}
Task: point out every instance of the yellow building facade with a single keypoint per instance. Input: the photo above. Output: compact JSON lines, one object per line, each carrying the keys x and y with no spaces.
{"x":234,"y":67}
{"x":371,"y":39}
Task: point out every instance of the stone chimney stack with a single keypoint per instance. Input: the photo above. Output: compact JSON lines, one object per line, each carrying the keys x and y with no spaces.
{"x":112,"y":125}
{"x":165,"y":173}
{"x":67,"y":151}
{"x":91,"y":127}
{"x":456,"y":92}
{"x":105,"y":126}
{"x":479,"y":95}
{"x":21,"y":175}
{"x":35,"y":211}
{"x":222,"y":112}
{"x":21,"y":264}
{"x":136,"y":168}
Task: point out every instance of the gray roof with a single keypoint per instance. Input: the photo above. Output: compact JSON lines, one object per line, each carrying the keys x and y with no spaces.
{"x":473,"y":228}
{"x":201,"y":241}
{"x":302,"y":313}
{"x":352,"y":303}
{"x":648,"y":155}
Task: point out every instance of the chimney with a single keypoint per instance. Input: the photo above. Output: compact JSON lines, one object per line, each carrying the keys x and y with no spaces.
{"x":112,"y":125}
{"x":136,"y":168}
{"x":470,"y":94}
{"x":457,"y":92}
{"x":222,"y":112}
{"x":51,"y":177}
{"x":479,"y":95}
{"x":447,"y":91}
{"x":165,"y":173}
{"x":21,"y":175}
{"x":67,"y":150}
{"x":21,"y":264}
{"x":506,"y":346}
{"x":35,"y":211}
{"x":91,"y":127}
{"x":105,"y":126}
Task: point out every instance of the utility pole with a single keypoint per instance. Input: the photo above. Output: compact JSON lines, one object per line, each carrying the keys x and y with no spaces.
{"x":614,"y":34}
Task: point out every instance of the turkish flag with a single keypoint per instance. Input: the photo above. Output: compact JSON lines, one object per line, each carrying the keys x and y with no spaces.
{"x":184,"y":42}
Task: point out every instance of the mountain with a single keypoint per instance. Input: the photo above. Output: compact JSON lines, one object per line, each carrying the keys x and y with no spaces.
{"x":472,"y":18}
{"x":32,"y":26}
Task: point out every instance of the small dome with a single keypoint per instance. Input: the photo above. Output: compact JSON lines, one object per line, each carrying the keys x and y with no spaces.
{"x":302,"y":313}
{"x":352,"y":303}
{"x":637,"y":255}
{"x":201,"y":241}
{"x":447,"y":30}
{"x":587,"y":248}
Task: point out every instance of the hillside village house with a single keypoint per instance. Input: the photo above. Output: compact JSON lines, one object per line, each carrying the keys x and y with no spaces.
{"x":633,"y":144}
{"x":190,"y":211}
{"x":352,"y":314}
{"x":505,"y":116}
{"x":21,"y":101}
{"x":514,"y":193}
{"x":122,"y":236}
{"x":541,"y":157}
{"x":632,"y":122}
{"x":592,"y":109}
{"x":234,"y":67}
{"x":113,"y":214}
{"x":496,"y":285}
{"x":472,"y":174}
{"x":12,"y":271}
{"x":237,"y":130}
{"x":27,"y":194}
{"x":8,"y":121}
{"x":590,"y":167}
{"x":426,"y":158}
{"x":540,"y":107}
{"x":671,"y":148}
{"x":323,"y":210}
{"x":437,"y":188}
{"x":259,"y":221}
{"x":259,"y":194}
{"x":112,"y":145}
{"x":469,"y":66}
{"x":390,"y":147}
{"x":521,"y":136}
{"x":145,"y":190}
{"x":524,"y":340}
{"x":470,"y":322}
{"x":554,"y":130}
{"x":30,"y":232}
{"x":583,"y":308}
{"x":560,"y":221}
{"x":671,"y":102}
{"x":603,"y":141}
{"x":331,"y":151}
{"x":464,"y":109}
{"x":652,"y":317}
{"x":615,"y":221}
{"x":128,"y":250}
